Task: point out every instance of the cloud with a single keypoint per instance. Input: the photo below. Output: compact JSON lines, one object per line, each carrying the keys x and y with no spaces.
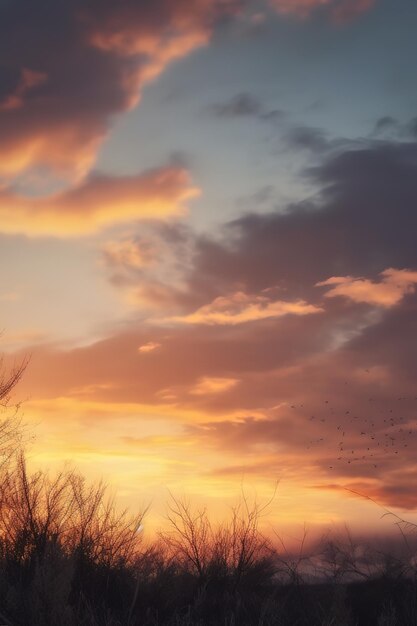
{"x":395,"y":490}
{"x":240,"y":308}
{"x":341,"y":11}
{"x":245,"y":105}
{"x":69,"y":68}
{"x":412,"y":128}
{"x":385,"y":124}
{"x":149,"y":267}
{"x":301,"y":8}
{"x":150,"y":346}
{"x":387,"y":127}
{"x":346,"y":10}
{"x":314,"y":139}
{"x":387,"y":342}
{"x":275,"y":393}
{"x":360,"y":222}
{"x":28,"y":81}
{"x":97,"y":203}
{"x":305,"y":137}
{"x":207,"y":385}
{"x":129,"y":254}
{"x":241,"y":105}
{"x":280,"y":391}
{"x":186,"y":354}
{"x":394,"y":285}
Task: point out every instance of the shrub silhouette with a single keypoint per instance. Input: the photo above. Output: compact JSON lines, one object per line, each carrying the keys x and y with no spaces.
{"x":62,"y":531}
{"x":68,"y":556}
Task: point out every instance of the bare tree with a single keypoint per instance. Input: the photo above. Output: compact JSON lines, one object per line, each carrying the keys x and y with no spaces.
{"x":189,"y":535}
{"x":247,"y":549}
{"x":99,"y":531}
{"x":37,"y":510}
{"x":11,"y":431}
{"x":234,"y":550}
{"x":9,"y":381}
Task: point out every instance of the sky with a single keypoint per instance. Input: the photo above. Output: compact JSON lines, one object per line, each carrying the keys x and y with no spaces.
{"x":208,"y":251}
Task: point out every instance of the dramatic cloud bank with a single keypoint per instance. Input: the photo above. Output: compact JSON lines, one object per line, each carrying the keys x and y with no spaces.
{"x":79,"y":64}
{"x":289,"y":349}
{"x":271,"y":332}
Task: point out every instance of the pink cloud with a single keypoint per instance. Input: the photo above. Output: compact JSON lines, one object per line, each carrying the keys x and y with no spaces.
{"x":388,"y":292}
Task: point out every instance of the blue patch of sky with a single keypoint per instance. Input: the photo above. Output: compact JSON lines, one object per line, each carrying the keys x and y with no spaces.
{"x":339,"y":78}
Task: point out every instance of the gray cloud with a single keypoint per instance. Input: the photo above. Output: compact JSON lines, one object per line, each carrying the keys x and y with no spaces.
{"x":246,"y":105}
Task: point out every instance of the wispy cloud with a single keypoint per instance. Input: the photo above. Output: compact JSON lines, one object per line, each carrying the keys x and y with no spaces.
{"x":245,"y":104}
{"x":241,"y":105}
{"x":240,"y":308}
{"x":128,"y":254}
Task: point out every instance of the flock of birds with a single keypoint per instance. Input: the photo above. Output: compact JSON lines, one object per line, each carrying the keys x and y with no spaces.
{"x":358,"y":439}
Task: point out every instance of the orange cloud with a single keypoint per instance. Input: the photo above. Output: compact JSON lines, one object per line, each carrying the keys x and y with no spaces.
{"x":394,"y":285}
{"x":239,"y":308}
{"x":340,"y":10}
{"x":97,"y":203}
{"x":80,"y":67}
{"x":150,"y":346}
{"x":258,"y":399}
{"x":207,"y":385}
{"x":67,"y":148}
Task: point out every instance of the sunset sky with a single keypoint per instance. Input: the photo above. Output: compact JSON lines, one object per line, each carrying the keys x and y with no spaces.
{"x":208,"y":224}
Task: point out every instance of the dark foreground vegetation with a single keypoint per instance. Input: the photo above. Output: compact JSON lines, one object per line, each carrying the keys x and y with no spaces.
{"x":68,"y":557}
